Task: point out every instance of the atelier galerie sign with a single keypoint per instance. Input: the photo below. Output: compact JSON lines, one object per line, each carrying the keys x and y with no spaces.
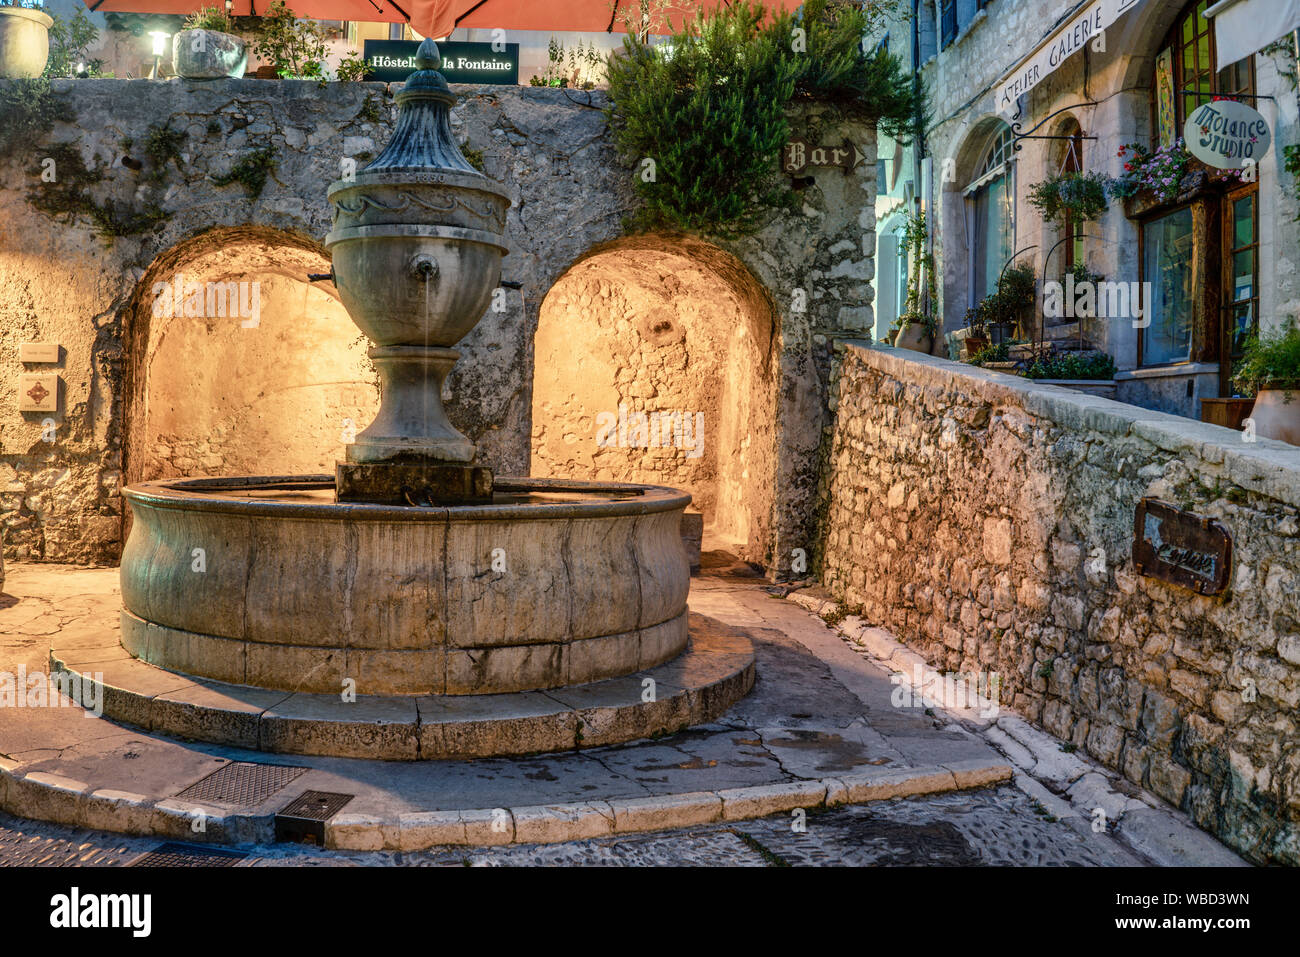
{"x":1227,"y":134}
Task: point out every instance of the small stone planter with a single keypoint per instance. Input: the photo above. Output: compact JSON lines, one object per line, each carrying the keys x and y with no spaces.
{"x":1277,"y":412}
{"x":208,"y":55}
{"x":24,"y":42}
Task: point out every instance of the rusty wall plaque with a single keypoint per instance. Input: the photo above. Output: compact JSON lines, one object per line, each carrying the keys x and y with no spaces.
{"x":1181,"y":548}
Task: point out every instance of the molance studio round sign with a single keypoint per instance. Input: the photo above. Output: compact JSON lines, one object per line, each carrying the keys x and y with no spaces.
{"x":1227,"y":134}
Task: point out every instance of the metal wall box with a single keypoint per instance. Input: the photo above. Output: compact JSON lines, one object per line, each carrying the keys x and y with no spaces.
{"x":1181,"y":548}
{"x":38,"y":392}
{"x":38,"y":352}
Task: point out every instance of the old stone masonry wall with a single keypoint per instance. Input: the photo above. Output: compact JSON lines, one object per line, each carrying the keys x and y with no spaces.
{"x":988,"y":522}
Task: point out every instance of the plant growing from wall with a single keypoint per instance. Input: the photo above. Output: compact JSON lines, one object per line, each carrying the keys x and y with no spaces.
{"x":1079,"y":196}
{"x":1291,"y":160}
{"x":69,"y":195}
{"x":251,"y":171}
{"x":29,"y":109}
{"x":162,"y":145}
{"x":703,"y":119}
{"x":294,"y":47}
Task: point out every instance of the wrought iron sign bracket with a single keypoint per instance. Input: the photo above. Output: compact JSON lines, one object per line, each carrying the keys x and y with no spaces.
{"x":1017,"y":136}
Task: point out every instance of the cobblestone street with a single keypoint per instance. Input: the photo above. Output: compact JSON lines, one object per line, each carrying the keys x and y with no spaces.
{"x":996,"y":826}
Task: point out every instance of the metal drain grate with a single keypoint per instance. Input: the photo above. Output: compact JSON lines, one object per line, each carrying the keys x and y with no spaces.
{"x":242,"y":783}
{"x":187,"y":855}
{"x":303,"y":820}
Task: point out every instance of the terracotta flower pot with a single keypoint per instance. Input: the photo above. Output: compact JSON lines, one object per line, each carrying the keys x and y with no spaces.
{"x":208,"y":55}
{"x":1277,"y":413}
{"x":976,"y":344}
{"x":24,"y":42}
{"x":913,"y":336}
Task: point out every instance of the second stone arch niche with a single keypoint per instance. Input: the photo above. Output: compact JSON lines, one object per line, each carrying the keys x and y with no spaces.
{"x":653,"y":363}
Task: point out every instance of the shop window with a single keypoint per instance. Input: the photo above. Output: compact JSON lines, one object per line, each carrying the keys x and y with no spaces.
{"x":990,"y":207}
{"x":1241,"y":268}
{"x":1072,"y":232}
{"x":947,"y":22}
{"x":1167,"y":266}
{"x":1185,"y":76}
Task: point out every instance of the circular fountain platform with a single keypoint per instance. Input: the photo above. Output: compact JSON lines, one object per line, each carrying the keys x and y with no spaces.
{"x":268,"y":582}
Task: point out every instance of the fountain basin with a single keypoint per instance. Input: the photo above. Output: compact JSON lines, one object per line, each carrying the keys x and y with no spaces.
{"x":268,"y":582}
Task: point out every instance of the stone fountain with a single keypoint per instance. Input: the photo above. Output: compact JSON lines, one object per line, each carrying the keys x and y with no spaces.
{"x":412,"y":578}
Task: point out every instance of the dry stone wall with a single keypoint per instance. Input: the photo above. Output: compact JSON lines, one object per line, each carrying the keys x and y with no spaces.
{"x":988,"y":523}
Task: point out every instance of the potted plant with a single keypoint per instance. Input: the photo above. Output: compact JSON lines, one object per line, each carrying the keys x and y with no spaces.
{"x":206,"y":49}
{"x":1078,"y":196}
{"x":1006,"y":307}
{"x":1270,"y":370}
{"x":977,"y":331}
{"x":916,"y":327}
{"x":1089,"y":372}
{"x":24,"y":38}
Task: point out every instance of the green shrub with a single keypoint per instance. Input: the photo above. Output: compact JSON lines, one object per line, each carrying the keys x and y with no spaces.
{"x":703,"y":119}
{"x":1071,"y":365}
{"x":295,"y":47}
{"x":1270,"y":362}
{"x":69,"y":40}
{"x":352,"y":68}
{"x":29,"y":109}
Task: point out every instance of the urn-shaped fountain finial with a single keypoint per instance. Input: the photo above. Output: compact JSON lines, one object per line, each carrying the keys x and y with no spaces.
{"x":417,"y":247}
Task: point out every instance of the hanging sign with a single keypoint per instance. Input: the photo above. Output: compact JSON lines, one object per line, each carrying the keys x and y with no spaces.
{"x":800,"y":154}
{"x":1227,"y":134}
{"x":392,"y":61}
{"x":1074,"y":36}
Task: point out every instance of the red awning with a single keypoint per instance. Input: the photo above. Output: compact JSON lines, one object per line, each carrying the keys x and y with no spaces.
{"x":437,"y":18}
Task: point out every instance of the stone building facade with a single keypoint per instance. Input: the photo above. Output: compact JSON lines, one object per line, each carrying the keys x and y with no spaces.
{"x":156,"y":185}
{"x":1222,"y":255}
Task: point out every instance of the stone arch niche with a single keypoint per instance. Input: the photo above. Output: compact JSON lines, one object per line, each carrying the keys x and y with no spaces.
{"x":267,"y":383}
{"x":655,"y":362}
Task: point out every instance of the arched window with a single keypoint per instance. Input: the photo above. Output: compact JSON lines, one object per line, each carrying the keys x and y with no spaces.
{"x":991,"y":208}
{"x":1072,"y":162}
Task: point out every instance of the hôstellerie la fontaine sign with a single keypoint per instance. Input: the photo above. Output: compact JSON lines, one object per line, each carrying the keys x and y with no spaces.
{"x":392,"y":61}
{"x":1072,"y":37}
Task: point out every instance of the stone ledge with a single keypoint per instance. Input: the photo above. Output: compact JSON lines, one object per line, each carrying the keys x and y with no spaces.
{"x":1266,"y":466}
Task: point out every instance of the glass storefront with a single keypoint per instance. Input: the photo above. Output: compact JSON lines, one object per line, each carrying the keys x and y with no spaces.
{"x":1167,"y":266}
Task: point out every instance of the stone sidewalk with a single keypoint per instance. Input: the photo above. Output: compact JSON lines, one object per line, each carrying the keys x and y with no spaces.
{"x":819,"y":729}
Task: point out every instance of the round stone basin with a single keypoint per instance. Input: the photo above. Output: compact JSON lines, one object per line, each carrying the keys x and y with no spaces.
{"x":267,"y":581}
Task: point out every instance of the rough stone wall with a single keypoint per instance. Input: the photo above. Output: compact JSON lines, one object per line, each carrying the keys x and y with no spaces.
{"x":60,"y":281}
{"x":988,"y":523}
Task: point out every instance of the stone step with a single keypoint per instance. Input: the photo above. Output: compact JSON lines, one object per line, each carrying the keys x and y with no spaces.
{"x":715,"y":671}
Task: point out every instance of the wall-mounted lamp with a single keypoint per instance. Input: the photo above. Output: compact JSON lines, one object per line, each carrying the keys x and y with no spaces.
{"x":159,"y":47}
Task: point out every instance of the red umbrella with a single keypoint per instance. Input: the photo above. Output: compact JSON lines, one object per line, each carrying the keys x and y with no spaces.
{"x":437,"y":18}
